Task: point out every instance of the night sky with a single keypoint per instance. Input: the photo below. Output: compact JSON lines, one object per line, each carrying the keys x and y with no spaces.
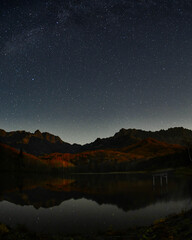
{"x":86,"y":69}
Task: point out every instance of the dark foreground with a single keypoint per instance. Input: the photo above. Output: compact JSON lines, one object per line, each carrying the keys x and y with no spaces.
{"x":175,"y":227}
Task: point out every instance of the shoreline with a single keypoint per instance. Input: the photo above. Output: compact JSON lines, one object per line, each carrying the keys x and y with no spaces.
{"x":175,"y":227}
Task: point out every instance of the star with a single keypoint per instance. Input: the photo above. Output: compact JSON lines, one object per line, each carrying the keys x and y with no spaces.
{"x":100,"y":64}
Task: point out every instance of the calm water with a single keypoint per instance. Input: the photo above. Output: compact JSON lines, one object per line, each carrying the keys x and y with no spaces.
{"x":91,"y":203}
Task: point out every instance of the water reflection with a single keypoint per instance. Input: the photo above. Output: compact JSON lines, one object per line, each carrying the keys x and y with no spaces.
{"x":163,"y":177}
{"x":90,"y":203}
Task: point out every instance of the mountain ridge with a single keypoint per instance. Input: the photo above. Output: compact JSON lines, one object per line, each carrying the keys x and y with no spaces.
{"x":145,"y":154}
{"x":125,"y":137}
{"x":36,"y":143}
{"x":40,"y":143}
{"x":104,"y":159}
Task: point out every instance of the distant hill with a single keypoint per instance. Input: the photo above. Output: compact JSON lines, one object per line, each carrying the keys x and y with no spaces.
{"x":126,"y":137}
{"x":12,"y":159}
{"x":38,"y":143}
{"x":123,"y":152}
{"x":126,"y":158}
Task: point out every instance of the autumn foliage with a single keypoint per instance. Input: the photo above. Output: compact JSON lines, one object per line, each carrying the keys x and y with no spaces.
{"x":141,"y":151}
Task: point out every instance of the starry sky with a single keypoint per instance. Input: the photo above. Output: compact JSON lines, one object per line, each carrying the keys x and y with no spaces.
{"x":83,"y":69}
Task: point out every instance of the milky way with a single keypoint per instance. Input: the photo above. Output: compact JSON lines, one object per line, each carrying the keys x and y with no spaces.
{"x":85,"y":69}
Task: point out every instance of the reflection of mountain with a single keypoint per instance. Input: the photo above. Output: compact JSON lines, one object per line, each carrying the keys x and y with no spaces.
{"x":126,"y":192}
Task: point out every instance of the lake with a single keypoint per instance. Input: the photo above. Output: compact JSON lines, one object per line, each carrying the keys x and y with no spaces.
{"x":92,"y":203}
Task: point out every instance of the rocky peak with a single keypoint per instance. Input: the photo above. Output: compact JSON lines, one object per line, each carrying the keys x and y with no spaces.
{"x":38,"y":134}
{"x":2,"y":133}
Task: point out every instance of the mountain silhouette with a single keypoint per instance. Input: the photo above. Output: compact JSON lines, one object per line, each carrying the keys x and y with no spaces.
{"x":125,"y":137}
{"x":127,"y":150}
{"x":38,"y":143}
{"x":134,"y":156}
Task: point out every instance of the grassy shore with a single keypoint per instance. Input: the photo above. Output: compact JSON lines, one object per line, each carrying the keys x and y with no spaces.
{"x":184,"y":171}
{"x":174,"y":227}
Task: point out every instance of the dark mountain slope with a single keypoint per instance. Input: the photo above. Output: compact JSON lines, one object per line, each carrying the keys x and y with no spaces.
{"x":12,"y":159}
{"x":36,"y":143}
{"x":126,"y":137}
{"x":148,"y":153}
{"x":45,"y":143}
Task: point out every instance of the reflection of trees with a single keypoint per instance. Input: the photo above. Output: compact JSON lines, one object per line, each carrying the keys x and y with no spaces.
{"x":188,"y":146}
{"x":19,"y":162}
{"x":19,"y":181}
{"x":126,"y":192}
